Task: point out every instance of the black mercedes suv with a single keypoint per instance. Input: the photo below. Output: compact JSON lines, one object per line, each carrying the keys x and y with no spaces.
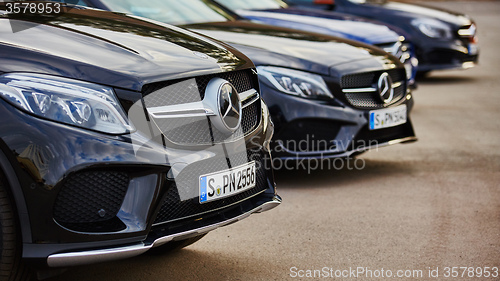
{"x":119,"y":135}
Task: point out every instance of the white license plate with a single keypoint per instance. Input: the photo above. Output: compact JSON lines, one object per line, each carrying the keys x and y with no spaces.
{"x":228,"y":182}
{"x":389,"y":117}
{"x":473,"y":49}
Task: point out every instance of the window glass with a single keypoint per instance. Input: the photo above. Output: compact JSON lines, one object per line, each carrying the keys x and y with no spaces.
{"x":74,"y":2}
{"x":250,"y":5}
{"x":171,"y":11}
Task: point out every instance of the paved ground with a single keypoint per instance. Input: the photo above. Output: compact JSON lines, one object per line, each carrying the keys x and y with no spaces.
{"x":431,"y":204}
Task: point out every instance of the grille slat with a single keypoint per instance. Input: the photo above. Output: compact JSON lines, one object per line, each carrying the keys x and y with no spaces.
{"x":362,"y":80}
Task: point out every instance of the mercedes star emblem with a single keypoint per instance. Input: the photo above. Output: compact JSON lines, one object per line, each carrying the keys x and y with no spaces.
{"x":221,"y":96}
{"x":385,"y":89}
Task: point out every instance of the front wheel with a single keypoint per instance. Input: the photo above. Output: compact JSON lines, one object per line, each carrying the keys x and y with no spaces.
{"x":12,"y":267}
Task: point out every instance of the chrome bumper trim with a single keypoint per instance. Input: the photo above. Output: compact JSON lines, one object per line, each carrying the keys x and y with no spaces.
{"x":97,"y":256}
{"x":330,"y":154}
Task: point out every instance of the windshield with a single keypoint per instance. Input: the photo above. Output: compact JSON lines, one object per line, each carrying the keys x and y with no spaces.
{"x":73,"y":2}
{"x":250,"y":5}
{"x":171,"y":11}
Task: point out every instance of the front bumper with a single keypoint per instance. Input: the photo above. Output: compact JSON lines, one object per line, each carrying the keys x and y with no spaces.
{"x":79,"y":230}
{"x":456,"y":54}
{"x":307,"y":129}
{"x":102,"y":255}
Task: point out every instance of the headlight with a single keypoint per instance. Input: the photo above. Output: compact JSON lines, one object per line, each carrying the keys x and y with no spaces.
{"x":67,"y":101}
{"x":294,"y":82}
{"x":433,"y":28}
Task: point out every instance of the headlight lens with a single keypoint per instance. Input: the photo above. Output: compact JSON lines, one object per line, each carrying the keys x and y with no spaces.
{"x":433,"y":28}
{"x":294,"y":82}
{"x":67,"y":101}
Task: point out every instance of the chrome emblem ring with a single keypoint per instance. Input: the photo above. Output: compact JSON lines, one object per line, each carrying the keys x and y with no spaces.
{"x":385,"y":88}
{"x":223,"y":98}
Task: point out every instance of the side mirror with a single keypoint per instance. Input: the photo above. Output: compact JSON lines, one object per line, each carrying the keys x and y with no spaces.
{"x":330,"y":4}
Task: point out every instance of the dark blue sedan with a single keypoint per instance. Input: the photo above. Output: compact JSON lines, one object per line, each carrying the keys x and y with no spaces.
{"x":443,"y":39}
{"x":275,"y":12}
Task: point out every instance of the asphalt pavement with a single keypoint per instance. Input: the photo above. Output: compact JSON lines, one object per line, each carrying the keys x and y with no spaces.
{"x":418,"y":209}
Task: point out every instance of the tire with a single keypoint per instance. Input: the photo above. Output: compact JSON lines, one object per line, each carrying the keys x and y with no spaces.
{"x":11,"y":266}
{"x":175,"y":245}
{"x":423,"y":74}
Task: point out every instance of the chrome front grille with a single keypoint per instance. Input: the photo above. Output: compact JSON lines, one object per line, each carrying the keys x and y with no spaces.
{"x":177,"y":108}
{"x":361,"y":89}
{"x":394,"y":48}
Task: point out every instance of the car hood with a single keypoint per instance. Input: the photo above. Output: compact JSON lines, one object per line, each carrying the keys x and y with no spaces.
{"x":366,"y":32}
{"x":270,"y":45}
{"x":412,"y":11}
{"x":110,"y":48}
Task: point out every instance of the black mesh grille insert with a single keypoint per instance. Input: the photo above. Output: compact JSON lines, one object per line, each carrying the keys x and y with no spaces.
{"x":193,"y":89}
{"x":172,"y":208}
{"x":367,"y":137}
{"x":250,"y":117}
{"x":372,"y":100}
{"x":369,"y":79}
{"x":199,"y":130}
{"x":241,"y":80}
{"x":308,"y":135}
{"x":91,"y":197}
{"x":361,"y":80}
